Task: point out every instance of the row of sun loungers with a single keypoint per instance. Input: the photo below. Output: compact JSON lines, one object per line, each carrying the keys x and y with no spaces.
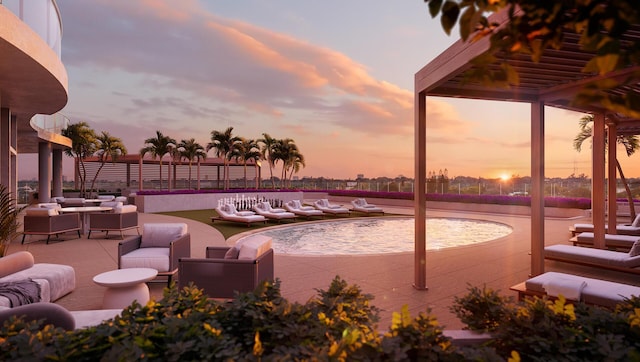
{"x":589,"y":290}
{"x":263,"y":211}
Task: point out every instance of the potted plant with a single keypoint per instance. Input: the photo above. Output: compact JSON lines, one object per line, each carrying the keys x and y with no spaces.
{"x":9,"y":223}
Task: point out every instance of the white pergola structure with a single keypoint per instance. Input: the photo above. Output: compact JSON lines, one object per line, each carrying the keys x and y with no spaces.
{"x":553,"y":81}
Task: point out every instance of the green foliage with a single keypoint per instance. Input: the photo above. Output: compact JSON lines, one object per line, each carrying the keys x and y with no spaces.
{"x":339,"y":324}
{"x":9,"y":223}
{"x":481,"y":309}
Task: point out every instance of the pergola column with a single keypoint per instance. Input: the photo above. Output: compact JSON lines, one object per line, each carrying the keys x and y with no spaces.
{"x":420,"y":191}
{"x":612,"y":136}
{"x":44,"y":171}
{"x":6,"y":150}
{"x":537,"y":188}
{"x":598,"y":175}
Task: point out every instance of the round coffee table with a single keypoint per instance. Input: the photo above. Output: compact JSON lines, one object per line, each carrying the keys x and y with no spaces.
{"x":124,"y":286}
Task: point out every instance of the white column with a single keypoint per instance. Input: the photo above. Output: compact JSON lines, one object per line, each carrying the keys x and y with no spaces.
{"x":612,"y":135}
{"x":5,"y":149}
{"x":57,"y":172}
{"x":44,"y":172}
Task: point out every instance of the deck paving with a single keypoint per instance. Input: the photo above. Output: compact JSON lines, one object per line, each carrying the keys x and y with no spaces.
{"x":496,"y":264}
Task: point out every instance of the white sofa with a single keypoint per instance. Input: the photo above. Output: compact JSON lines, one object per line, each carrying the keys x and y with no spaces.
{"x":54,"y":280}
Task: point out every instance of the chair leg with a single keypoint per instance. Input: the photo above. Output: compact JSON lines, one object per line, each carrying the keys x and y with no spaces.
{"x":89,"y":235}
{"x":23,"y":235}
{"x":79,"y":235}
{"x":48,"y":237}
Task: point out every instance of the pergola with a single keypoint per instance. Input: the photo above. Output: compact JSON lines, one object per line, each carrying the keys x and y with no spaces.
{"x":553,"y":81}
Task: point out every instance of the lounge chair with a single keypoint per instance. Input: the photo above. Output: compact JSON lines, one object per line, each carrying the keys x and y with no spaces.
{"x":228,"y":212}
{"x":361,"y":205}
{"x":621,"y":229}
{"x":590,"y":291}
{"x":264,"y":208}
{"x":600,"y":258}
{"x":612,"y":241}
{"x":296,"y":207}
{"x":328,"y":208}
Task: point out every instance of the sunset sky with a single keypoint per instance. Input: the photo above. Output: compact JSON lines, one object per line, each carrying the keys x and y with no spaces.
{"x":335,"y":76}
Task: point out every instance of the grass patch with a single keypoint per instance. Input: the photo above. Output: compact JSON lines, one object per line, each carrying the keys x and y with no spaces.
{"x":229,"y":229}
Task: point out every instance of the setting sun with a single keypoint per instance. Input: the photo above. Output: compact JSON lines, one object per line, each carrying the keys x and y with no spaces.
{"x":505,"y":177}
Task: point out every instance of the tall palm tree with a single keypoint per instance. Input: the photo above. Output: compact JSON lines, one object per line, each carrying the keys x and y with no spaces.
{"x":83,"y":145}
{"x":282,"y":151}
{"x":247,"y":149}
{"x":630,"y":143}
{"x":266,"y":152}
{"x":158,"y":146}
{"x":108,"y":148}
{"x":224,"y":143}
{"x":191,"y":150}
{"x":295,"y":162}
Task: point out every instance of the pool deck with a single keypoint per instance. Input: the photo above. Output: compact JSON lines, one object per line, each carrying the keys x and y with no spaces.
{"x":498,"y":264}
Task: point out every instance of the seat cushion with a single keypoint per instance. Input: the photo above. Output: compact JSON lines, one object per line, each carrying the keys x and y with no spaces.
{"x":160,"y":235}
{"x":154,"y":258}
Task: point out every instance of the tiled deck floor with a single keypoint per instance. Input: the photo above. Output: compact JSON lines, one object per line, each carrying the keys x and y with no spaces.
{"x":497,"y":264}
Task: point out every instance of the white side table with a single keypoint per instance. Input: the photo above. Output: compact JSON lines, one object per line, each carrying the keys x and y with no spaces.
{"x":124,"y":286}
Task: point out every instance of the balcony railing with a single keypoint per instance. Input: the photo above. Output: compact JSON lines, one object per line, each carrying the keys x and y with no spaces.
{"x":43,"y":17}
{"x":54,"y":123}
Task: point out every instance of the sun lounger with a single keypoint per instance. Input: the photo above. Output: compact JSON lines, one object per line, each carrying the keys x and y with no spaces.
{"x":228,"y":212}
{"x":264,"y":208}
{"x":361,"y":205}
{"x":622,"y":229}
{"x":613,"y":241}
{"x":591,"y":291}
{"x":328,"y":208}
{"x":296,"y":207}
{"x":600,"y":258}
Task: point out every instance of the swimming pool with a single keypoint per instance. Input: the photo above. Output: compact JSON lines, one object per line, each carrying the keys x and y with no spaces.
{"x":379,"y":235}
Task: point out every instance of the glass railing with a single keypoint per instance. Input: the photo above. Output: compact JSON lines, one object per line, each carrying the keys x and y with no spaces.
{"x":54,"y":123}
{"x":43,"y":17}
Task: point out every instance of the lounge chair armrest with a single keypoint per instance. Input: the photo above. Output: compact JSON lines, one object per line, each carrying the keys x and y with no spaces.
{"x":216,"y":252}
{"x":180,"y":248}
{"x":129,"y":244}
{"x":65,"y":222}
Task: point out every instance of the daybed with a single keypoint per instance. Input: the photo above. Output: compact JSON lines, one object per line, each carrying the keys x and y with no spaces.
{"x":328,"y":208}
{"x":121,"y":218}
{"x":573,"y":287}
{"x":159,"y":247}
{"x":228,"y":212}
{"x":296,"y":207}
{"x":47,"y":220}
{"x":226,"y":271}
{"x":265,"y":209}
{"x":614,"y":241}
{"x":361,"y":205}
{"x":606,"y":259}
{"x":54,"y":280}
{"x":622,"y":229}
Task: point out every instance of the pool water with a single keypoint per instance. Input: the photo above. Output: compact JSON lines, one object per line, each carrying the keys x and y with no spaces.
{"x":379,"y":235}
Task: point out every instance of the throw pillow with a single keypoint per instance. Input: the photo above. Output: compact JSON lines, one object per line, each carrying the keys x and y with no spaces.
{"x":635,"y":249}
{"x":254,"y":246}
{"x":232,"y":253}
{"x":160,"y":235}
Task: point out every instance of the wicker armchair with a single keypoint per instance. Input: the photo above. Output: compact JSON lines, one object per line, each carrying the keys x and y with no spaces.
{"x":45,"y":221}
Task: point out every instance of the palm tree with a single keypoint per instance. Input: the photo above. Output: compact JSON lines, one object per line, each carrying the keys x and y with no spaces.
{"x":108,"y":147}
{"x":191,"y":150}
{"x":283,"y":151}
{"x":295,"y":162}
{"x":225,"y":145}
{"x":158,"y":147}
{"x":83,"y":145}
{"x":630,"y":143}
{"x":266,"y":151}
{"x":9,"y":219}
{"x":247,"y":149}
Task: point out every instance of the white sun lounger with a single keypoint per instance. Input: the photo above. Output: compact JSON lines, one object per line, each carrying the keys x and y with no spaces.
{"x":328,"y":208}
{"x":622,"y":229}
{"x":591,"y":291}
{"x":228,"y":212}
{"x":600,"y":258}
{"x":624,"y":242}
{"x":361,"y":205}
{"x":296,"y":207}
{"x":264,"y":208}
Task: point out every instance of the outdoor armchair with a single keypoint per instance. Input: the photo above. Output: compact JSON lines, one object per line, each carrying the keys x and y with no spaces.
{"x":159,"y":247}
{"x":48,"y":221}
{"x":226,"y":271}
{"x":121,"y":218}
